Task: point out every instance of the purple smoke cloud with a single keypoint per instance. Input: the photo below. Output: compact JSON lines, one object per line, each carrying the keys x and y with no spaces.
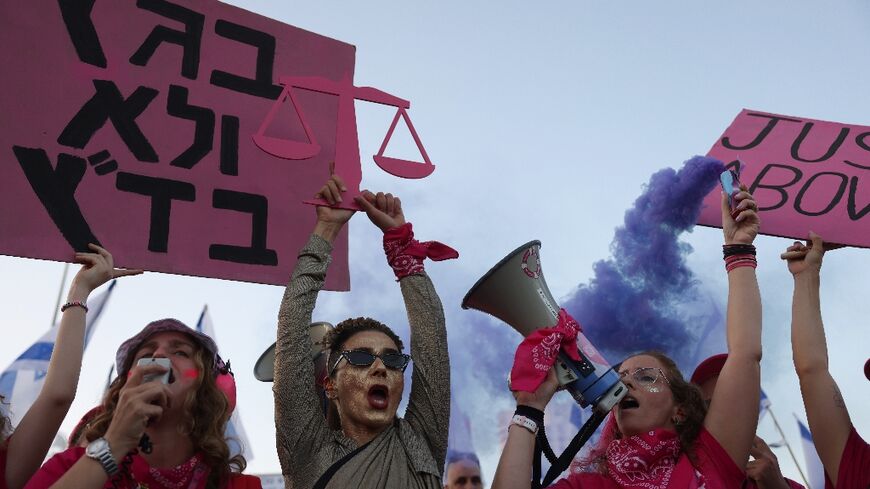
{"x":641,"y":297}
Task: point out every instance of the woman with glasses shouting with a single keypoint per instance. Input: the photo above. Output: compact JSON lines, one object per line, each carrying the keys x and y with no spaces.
{"x":658,"y":436}
{"x":362,"y":443}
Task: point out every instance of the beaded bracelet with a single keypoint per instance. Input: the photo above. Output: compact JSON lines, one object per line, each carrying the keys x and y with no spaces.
{"x":737,"y":261}
{"x":66,"y":306}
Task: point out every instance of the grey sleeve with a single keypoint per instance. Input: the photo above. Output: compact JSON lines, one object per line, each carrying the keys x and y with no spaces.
{"x":300,"y":426}
{"x":428,"y":410}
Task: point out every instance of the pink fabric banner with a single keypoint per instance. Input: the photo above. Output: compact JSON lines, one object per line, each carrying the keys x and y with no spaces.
{"x":131,"y":124}
{"x":805,"y":174}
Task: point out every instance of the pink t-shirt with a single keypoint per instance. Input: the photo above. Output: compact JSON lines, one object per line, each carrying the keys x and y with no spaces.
{"x":714,"y":465}
{"x":854,"y":465}
{"x":58,"y":465}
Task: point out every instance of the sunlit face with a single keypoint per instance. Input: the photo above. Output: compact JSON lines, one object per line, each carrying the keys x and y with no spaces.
{"x":645,"y":407}
{"x":179,"y":348}
{"x":367,"y":397}
{"x":463,"y":474}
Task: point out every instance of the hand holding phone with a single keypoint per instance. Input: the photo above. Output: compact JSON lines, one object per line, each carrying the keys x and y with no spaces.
{"x":730,"y":181}
{"x":163,"y":362}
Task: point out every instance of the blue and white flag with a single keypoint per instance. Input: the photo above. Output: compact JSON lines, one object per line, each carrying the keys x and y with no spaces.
{"x":815,"y":470}
{"x":235,"y":434}
{"x":21,"y":382}
{"x":763,"y":405}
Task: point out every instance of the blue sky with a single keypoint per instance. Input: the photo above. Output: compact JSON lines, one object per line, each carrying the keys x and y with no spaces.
{"x":544,"y":120}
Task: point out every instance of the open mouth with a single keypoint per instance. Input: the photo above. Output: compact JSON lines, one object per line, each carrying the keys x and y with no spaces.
{"x":379,"y":396}
{"x":171,"y":377}
{"x":628,"y":402}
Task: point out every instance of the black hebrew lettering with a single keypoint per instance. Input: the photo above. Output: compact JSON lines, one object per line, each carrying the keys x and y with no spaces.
{"x":162,"y":192}
{"x":203,"y":137}
{"x":261,"y":85}
{"x":726,"y":141}
{"x":850,"y":205}
{"x":798,"y":201}
{"x":190,"y":39}
{"x":108,"y":103}
{"x":808,"y":126}
{"x":56,"y":189}
{"x":258,"y":207}
{"x":230,"y":145}
{"x":77,"y":18}
{"x":101,"y":166}
{"x":860,"y":140}
{"x":778,"y":187}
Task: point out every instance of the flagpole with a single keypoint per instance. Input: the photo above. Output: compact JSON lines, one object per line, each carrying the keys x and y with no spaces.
{"x":59,"y":294}
{"x":790,"y":452}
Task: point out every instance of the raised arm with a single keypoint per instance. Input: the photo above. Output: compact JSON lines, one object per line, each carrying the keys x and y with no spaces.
{"x":733,"y":414}
{"x":514,"y":469}
{"x":826,"y":412}
{"x":38,"y":427}
{"x":428,"y":409}
{"x":299,"y":421}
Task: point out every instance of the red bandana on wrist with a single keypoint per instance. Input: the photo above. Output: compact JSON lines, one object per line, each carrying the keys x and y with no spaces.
{"x":644,"y":461}
{"x":405,"y":254}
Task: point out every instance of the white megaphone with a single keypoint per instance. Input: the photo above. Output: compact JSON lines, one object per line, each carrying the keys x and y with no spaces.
{"x":264,"y":368}
{"x":515,"y":291}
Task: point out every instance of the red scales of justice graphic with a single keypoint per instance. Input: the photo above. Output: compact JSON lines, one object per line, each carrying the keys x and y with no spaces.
{"x":347,"y":159}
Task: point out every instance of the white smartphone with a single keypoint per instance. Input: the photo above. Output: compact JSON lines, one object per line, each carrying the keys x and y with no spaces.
{"x":163,"y":362}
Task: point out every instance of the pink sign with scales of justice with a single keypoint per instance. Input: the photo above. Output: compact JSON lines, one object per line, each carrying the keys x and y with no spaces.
{"x":347,"y":159}
{"x":130,"y":124}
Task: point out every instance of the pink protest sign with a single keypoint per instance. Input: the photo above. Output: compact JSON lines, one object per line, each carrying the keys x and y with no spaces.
{"x":805,"y":174}
{"x":139,"y":126}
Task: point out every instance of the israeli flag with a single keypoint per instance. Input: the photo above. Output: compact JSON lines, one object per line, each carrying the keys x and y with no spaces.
{"x":235,"y":434}
{"x":815,"y":471}
{"x":763,"y":405}
{"x":22,"y":381}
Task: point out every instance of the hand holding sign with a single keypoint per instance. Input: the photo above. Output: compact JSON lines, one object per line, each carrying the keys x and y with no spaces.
{"x":807,"y":257}
{"x":330,"y":217}
{"x":384,"y":210}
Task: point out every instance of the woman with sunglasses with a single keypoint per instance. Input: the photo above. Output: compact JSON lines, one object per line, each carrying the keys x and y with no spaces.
{"x":363,"y":444}
{"x":658,"y":436}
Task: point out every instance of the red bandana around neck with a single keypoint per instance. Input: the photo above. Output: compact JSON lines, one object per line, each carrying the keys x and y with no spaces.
{"x":644,"y":461}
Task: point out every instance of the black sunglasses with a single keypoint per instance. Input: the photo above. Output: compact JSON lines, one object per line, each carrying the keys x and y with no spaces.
{"x":362,"y":358}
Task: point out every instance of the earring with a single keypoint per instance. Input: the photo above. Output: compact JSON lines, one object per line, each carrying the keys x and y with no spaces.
{"x":677,"y":421}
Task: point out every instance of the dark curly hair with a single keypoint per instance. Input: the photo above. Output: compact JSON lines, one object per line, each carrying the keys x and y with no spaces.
{"x":335,"y":339}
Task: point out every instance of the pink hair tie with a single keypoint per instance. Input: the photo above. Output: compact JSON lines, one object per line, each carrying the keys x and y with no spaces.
{"x":405,"y":254}
{"x":538,"y":351}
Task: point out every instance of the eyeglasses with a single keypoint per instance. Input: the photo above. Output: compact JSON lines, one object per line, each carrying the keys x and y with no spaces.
{"x":362,"y":358}
{"x":645,"y":376}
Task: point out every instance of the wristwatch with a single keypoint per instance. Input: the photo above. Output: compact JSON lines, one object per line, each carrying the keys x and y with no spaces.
{"x":525,"y":422}
{"x":100,"y":451}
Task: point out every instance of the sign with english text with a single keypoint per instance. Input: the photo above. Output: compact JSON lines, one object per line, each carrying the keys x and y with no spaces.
{"x":805,"y":175}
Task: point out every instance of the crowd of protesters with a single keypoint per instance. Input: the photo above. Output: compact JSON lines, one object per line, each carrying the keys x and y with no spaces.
{"x":162,"y":421}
